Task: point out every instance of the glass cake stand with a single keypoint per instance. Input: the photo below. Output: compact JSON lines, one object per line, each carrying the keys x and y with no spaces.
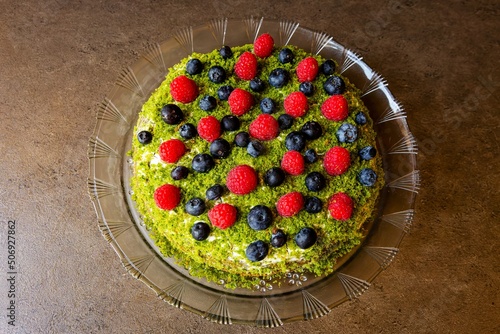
{"x":299,"y":296}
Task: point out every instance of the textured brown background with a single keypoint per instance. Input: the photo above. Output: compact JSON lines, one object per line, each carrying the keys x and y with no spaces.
{"x":58,"y":59}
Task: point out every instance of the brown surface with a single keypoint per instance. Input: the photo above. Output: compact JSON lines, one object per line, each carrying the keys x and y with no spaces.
{"x":58,"y":61}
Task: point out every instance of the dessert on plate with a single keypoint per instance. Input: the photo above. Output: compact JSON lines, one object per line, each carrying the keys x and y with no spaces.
{"x":254,"y":161}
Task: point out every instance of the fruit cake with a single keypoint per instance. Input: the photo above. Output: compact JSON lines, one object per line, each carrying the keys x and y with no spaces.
{"x":252,"y":162}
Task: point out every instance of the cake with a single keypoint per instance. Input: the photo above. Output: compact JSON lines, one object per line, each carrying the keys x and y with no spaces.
{"x":256,"y":161}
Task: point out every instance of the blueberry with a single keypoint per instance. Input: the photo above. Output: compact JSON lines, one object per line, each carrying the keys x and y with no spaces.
{"x":223,"y":92}
{"x":307,"y":88}
{"x":217,"y":74}
{"x":285,"y":122}
{"x":285,"y":56}
{"x":347,"y":133}
{"x":257,"y":85}
{"x":278,"y":77}
{"x":208,"y":103}
{"x":242,"y":139}
{"x":306,"y":238}
{"x":179,"y":173}
{"x":230,"y":123}
{"x":278,"y":238}
{"x":257,"y":251}
{"x":255,"y":148}
{"x":267,"y":105}
{"x":295,"y":141}
{"x":220,"y":148}
{"x":259,"y":218}
{"x":144,"y":137}
{"x":334,"y":85}
{"x":194,"y":66}
{"x":188,"y":131}
{"x":367,"y":153}
{"x":214,"y":192}
{"x":360,"y":118}
{"x":195,"y":206}
{"x":200,"y":231}
{"x":202,"y":163}
{"x":274,"y":177}
{"x":313,"y":204}
{"x":312,"y":130}
{"x":367,"y":177}
{"x":310,"y":156}
{"x":328,"y":67}
{"x":315,"y":181}
{"x":171,"y":114}
{"x":225,"y":52}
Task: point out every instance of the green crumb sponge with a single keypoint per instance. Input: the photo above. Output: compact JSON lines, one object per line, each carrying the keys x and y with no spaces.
{"x":221,"y":257}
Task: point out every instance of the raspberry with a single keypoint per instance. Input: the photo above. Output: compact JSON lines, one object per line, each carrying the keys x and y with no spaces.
{"x":263,"y":46}
{"x":223,"y":215}
{"x":241,"y":180}
{"x":295,"y":104}
{"x":337,"y":160}
{"x":167,"y":196}
{"x":340,"y":206}
{"x":293,"y":163}
{"x":307,"y":69}
{"x":183,"y":89}
{"x":209,"y":128}
{"x":264,"y":127}
{"x":172,"y":150}
{"x":246,"y":66}
{"x":240,"y":101}
{"x":335,"y":108}
{"x":290,"y":204}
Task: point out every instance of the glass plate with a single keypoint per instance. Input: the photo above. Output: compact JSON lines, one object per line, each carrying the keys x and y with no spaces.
{"x":300,"y":297}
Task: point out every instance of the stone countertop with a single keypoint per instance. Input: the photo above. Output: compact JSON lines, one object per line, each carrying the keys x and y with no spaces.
{"x":60,"y":59}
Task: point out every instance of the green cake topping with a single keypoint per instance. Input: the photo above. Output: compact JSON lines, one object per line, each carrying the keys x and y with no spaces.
{"x":254,"y":161}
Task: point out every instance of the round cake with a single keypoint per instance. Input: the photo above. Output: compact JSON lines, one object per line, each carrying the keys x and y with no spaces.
{"x":253,"y":162}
